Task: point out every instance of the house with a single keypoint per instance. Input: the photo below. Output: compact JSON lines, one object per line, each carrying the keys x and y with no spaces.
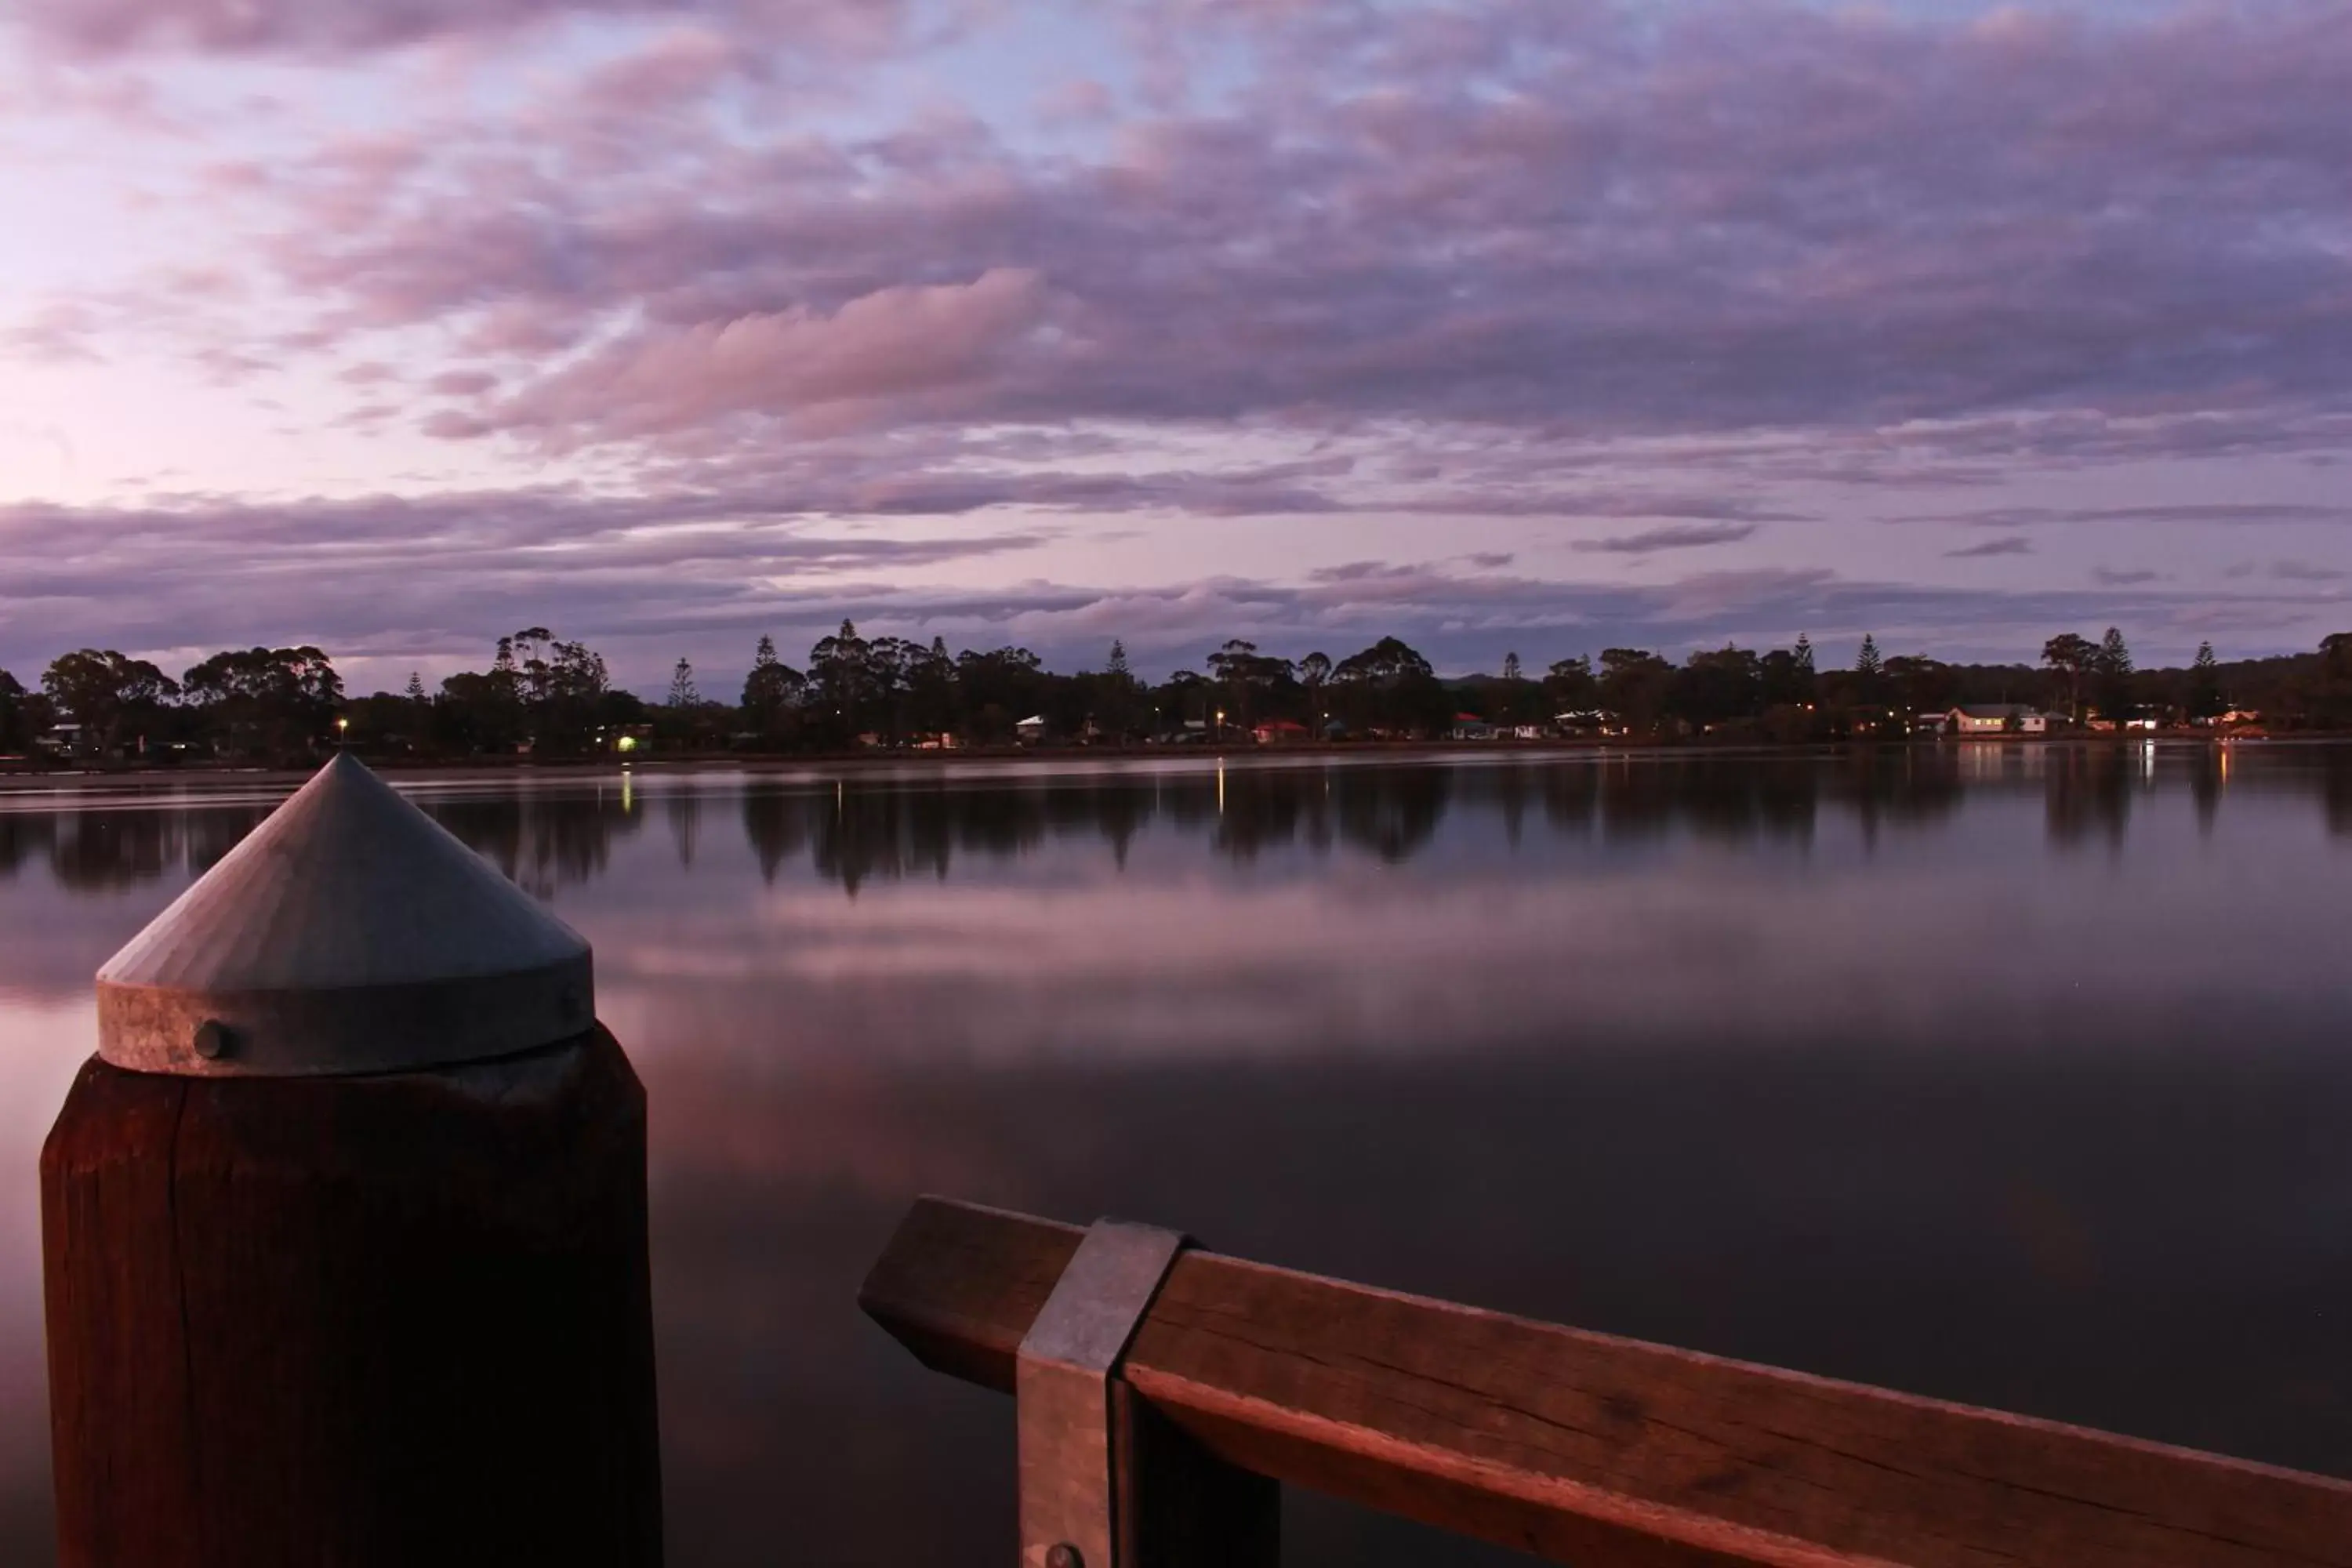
{"x":1278,"y":731}
{"x":1997,"y":718}
{"x":1030,"y":731}
{"x":1470,"y":727}
{"x":62,"y":740}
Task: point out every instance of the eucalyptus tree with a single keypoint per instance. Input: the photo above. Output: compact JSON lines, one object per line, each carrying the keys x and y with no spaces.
{"x":277,"y":703}
{"x":2071,"y":657}
{"x":113,"y":698}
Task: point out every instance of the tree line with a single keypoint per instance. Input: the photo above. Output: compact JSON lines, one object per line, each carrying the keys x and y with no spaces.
{"x":549,"y":697}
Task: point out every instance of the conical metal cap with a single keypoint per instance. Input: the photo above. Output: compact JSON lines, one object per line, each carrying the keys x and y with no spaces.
{"x":349,"y":933}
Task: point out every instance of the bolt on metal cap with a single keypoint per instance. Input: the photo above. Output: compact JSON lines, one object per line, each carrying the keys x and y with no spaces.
{"x":349,"y":933}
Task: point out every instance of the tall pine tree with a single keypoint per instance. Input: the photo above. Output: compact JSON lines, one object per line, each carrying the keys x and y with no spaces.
{"x":2111,"y":666}
{"x":771,"y":689}
{"x":2205,"y":701}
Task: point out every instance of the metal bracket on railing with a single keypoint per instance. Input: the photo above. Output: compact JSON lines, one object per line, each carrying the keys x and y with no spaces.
{"x":1068,"y":1426}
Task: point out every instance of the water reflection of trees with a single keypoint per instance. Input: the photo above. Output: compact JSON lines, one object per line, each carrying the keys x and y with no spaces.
{"x":25,"y":836}
{"x":2336,"y":789}
{"x":857,"y":831}
{"x":1738,"y":799}
{"x":213,"y":831}
{"x":2088,"y":790}
{"x":1905,"y":785}
{"x":1392,"y":812}
{"x":683,"y":807}
{"x":99,"y":850}
{"x":856,"y":834}
{"x":1629,"y":801}
{"x":543,"y":842}
{"x":96,"y":851}
{"x":2206,"y":776}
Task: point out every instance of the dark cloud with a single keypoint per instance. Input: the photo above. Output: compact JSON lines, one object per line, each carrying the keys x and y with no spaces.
{"x":2009,"y":545}
{"x":2305,"y":572}
{"x":387,"y":584}
{"x":2222,"y":515}
{"x":1470,"y":621}
{"x":2112,"y":578}
{"x":420,"y":574}
{"x":1680,"y":536}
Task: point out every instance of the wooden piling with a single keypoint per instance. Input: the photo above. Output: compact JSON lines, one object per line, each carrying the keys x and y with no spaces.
{"x":329,"y":1284}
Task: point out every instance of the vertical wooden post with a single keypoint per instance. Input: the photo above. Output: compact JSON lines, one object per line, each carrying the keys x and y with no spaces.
{"x":1179,"y":1505}
{"x":345,"y":1225}
{"x":1106,"y":1481}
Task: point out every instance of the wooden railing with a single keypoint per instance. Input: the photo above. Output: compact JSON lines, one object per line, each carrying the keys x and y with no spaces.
{"x":1579,"y":1447}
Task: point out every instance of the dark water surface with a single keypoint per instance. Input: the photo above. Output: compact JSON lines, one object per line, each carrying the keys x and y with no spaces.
{"x":2017,"y":1075}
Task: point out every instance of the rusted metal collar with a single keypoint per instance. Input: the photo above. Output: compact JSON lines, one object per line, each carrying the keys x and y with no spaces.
{"x":1068,"y":1360}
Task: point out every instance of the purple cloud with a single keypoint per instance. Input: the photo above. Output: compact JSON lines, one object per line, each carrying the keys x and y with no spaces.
{"x":2224,"y":514}
{"x":106,"y":27}
{"x":1504,"y":265}
{"x":888,"y":357}
{"x":1679,"y":536}
{"x":1744,"y":216}
{"x":388,"y":584}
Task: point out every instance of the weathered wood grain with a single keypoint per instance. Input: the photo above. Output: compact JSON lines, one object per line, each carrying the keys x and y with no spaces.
{"x":1583,"y":1448}
{"x":369,"y":1322}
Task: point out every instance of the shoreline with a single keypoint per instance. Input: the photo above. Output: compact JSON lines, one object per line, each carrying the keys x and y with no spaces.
{"x":476,"y":770}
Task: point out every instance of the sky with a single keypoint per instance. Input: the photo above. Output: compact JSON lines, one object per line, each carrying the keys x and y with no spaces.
{"x":1533,"y":326}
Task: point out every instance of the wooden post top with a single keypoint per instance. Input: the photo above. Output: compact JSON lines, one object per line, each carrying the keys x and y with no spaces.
{"x":349,"y":933}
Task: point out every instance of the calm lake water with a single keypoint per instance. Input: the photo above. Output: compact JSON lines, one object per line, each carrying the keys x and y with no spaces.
{"x":2013,"y":1075}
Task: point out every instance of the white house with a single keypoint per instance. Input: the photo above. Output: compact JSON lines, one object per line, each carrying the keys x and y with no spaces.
{"x":1997,"y":718}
